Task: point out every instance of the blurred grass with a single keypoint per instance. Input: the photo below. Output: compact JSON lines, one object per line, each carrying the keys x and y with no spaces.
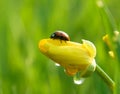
{"x":24,"y":70}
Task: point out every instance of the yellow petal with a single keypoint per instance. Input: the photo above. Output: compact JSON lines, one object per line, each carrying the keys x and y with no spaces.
{"x":72,"y":56}
{"x":90,"y":47}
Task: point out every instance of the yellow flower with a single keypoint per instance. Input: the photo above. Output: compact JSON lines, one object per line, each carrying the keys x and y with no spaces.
{"x":74,"y":57}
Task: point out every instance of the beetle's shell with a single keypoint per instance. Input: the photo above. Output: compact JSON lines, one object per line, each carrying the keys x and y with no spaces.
{"x":60,"y":35}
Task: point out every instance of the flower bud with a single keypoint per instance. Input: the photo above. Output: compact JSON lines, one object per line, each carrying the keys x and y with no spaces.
{"x":74,"y":57}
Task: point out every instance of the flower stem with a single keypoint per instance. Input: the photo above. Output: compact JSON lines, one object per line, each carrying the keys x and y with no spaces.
{"x":105,"y":77}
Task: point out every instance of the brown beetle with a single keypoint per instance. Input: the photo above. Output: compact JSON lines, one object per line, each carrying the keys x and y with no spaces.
{"x":60,"y":35}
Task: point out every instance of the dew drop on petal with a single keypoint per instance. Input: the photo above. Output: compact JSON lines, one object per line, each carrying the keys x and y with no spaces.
{"x":56,"y":64}
{"x":78,"y":79}
{"x":79,"y":82}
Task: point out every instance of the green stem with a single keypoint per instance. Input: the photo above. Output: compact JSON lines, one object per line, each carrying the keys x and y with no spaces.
{"x":105,"y":77}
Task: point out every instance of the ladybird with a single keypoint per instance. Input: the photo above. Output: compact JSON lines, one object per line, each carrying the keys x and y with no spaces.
{"x":60,"y":35}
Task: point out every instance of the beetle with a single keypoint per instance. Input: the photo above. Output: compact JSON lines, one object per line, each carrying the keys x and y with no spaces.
{"x":60,"y":35}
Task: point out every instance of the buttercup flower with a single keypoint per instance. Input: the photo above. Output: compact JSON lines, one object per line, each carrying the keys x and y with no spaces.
{"x":74,"y":57}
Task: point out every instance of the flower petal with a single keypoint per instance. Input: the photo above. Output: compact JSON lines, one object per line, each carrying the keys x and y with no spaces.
{"x":90,"y":47}
{"x":72,"y":56}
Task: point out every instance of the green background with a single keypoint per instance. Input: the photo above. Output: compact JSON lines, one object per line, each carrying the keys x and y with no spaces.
{"x":23,"y":23}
